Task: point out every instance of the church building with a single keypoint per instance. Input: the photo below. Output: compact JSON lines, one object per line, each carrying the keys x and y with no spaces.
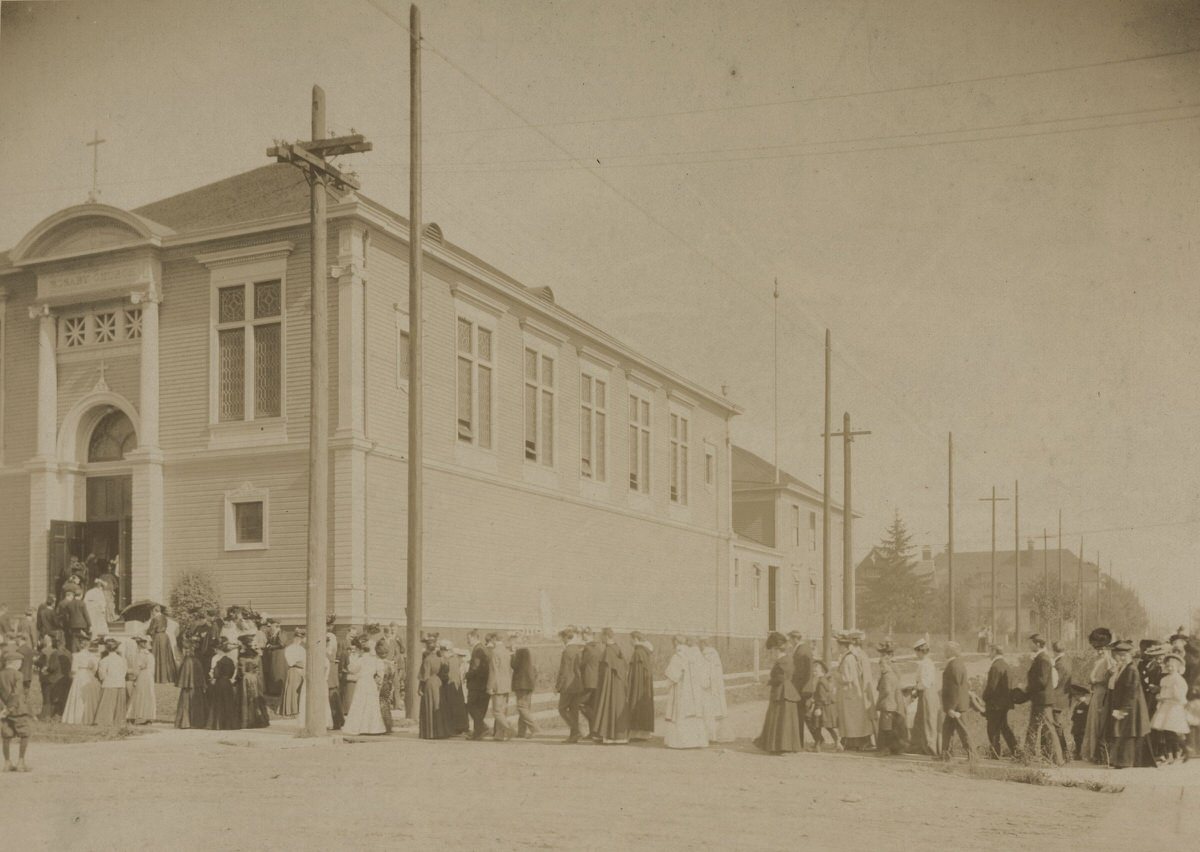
{"x":154,"y":409}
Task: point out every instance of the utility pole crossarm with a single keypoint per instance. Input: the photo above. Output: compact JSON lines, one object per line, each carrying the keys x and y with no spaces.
{"x":298,"y":154}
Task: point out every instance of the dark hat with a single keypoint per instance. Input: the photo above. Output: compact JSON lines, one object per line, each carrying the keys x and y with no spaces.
{"x":1179,"y":634}
{"x":1037,"y":637}
{"x":330,"y":619}
{"x":1143,"y":644}
{"x":13,"y":656}
{"x":887,"y":646}
{"x":775,"y":639}
{"x":299,"y":633}
{"x":111,"y":642}
{"x":1099,"y":638}
{"x":1122,"y":645}
{"x":142,"y":640}
{"x":1156,"y":650}
{"x":795,"y":634}
{"x":1079,"y":688}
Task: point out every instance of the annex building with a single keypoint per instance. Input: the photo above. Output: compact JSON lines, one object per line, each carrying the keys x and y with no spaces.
{"x":154,"y":382}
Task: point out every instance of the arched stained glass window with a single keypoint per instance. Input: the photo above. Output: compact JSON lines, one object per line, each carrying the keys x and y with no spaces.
{"x":112,"y":438}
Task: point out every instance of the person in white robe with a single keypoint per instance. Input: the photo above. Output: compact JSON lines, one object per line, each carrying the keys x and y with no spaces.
{"x":683,"y":716}
{"x":925,"y":724}
{"x":853,"y":699}
{"x":96,"y":604}
{"x":716,"y":709}
{"x":365,"y":715}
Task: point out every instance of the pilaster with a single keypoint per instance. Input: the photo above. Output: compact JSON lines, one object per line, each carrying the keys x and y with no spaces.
{"x":146,"y":560}
{"x":43,"y":467}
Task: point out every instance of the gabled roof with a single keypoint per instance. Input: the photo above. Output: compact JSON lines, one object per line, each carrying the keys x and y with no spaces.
{"x":273,"y":190}
{"x":969,"y":564}
{"x":753,"y":472}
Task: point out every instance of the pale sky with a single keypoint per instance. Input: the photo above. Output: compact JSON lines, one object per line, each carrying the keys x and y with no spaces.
{"x":992,"y":205}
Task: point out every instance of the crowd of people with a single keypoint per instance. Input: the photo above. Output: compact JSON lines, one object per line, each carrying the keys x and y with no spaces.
{"x":1136,"y":709}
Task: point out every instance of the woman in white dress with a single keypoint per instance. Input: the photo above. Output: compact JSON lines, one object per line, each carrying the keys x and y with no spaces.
{"x":96,"y":604}
{"x":715,"y":707}
{"x":684,"y":712}
{"x":84,"y":697}
{"x":142,"y":708}
{"x":365,"y":716}
{"x":111,"y":671}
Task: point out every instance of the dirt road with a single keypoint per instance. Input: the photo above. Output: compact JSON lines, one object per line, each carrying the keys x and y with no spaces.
{"x":267,"y":790}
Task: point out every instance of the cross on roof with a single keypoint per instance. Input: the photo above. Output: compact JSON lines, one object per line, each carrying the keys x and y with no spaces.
{"x":95,"y":144}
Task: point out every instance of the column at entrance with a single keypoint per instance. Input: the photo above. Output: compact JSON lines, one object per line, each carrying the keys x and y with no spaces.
{"x":43,"y":467}
{"x":147,"y":462}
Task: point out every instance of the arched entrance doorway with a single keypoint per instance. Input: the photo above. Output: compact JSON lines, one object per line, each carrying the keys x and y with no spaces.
{"x":109,"y":503}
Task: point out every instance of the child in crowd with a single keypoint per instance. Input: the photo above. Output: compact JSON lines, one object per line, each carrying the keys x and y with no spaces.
{"x":824,"y":706}
{"x":1080,"y":699}
{"x":1170,"y":724}
{"x":14,"y":711}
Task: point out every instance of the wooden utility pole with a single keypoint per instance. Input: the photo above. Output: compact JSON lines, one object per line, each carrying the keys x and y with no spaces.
{"x":1099,"y":585}
{"x":309,"y":157}
{"x":1079,"y":603}
{"x":848,"y":588}
{"x":416,"y":387}
{"x":826,"y":571}
{"x":995,"y":591}
{"x":1060,"y":577}
{"x":1045,"y":576}
{"x":775,"y":371}
{"x":95,"y":144}
{"x":1017,"y":563}
{"x":950,"y":532}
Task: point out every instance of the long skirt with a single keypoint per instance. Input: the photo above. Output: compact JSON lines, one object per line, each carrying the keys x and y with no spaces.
{"x":82,"y":701}
{"x":300,"y":716}
{"x":924,"y":735}
{"x":385,"y":698}
{"x":689,"y":732}
{"x":454,"y":710}
{"x":893,"y":735}
{"x":1124,"y":752}
{"x":641,"y":701}
{"x":224,"y":714}
{"x":612,"y":710}
{"x":348,"y":689}
{"x":254,"y":703}
{"x":164,"y":659}
{"x":111,"y":709}
{"x":1095,"y":747}
{"x":142,"y":708}
{"x":289,"y":702}
{"x":365,"y":716}
{"x":275,"y":669}
{"x":781,"y":728}
{"x":432,"y":721}
{"x":189,"y":710}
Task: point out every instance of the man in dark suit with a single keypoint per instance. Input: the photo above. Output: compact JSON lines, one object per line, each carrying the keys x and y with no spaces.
{"x":593,"y":652}
{"x":955,"y":702}
{"x":524,"y":679}
{"x":1040,"y":687}
{"x":801,"y":677}
{"x":47,"y":620}
{"x":477,"y":684}
{"x":78,"y":624}
{"x":1062,"y":697}
{"x":997,"y":698}
{"x":569,"y":683}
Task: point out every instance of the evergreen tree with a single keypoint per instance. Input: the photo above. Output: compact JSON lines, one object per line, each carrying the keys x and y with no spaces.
{"x":894,"y":596}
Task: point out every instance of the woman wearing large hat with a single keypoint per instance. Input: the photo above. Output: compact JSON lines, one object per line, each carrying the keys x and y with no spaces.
{"x":1094,"y":747}
{"x":781,"y":727}
{"x":892,"y":707}
{"x":1129,"y":726}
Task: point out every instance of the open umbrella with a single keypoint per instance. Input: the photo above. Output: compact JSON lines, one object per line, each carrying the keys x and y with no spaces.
{"x":140,"y":610}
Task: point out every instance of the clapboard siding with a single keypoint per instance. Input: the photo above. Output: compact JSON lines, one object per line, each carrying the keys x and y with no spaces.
{"x":14,"y":533}
{"x":20,"y":374}
{"x":76,"y":380}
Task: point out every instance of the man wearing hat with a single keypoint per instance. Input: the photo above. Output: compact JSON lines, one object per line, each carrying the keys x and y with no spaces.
{"x":1150,"y":654}
{"x":997,"y":698}
{"x":14,"y":712}
{"x":955,"y":702}
{"x":1040,"y":686}
{"x":1062,"y":696}
{"x":925,"y":725}
{"x":802,"y":677}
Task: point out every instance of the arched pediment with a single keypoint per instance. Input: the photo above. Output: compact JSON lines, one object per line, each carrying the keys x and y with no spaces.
{"x":85,"y":229}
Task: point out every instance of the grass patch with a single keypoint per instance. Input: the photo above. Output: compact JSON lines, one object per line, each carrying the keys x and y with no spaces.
{"x":1040,"y":778}
{"x":57,"y":732}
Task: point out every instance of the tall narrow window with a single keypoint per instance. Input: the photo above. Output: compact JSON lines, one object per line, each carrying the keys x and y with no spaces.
{"x":796,"y":526}
{"x":250,"y":351}
{"x":474,"y":397}
{"x":539,"y":407}
{"x":710,"y":467}
{"x":757,"y":586}
{"x":796,"y":594}
{"x":639,"y":444}
{"x":679,"y":459}
{"x":593,"y":427}
{"x":812,"y":530}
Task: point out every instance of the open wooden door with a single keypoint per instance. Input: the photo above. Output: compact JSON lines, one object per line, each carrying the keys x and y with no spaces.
{"x":66,"y":540}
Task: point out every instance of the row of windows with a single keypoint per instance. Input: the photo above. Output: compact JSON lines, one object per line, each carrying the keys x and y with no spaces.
{"x":95,"y":328}
{"x":798,"y":587}
{"x":812,"y":528}
{"x":249,"y":351}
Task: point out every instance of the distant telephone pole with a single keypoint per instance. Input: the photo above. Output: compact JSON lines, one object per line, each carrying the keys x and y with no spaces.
{"x":826,"y":571}
{"x":309,"y":157}
{"x":1017,"y":564}
{"x":1045,"y":575}
{"x":1099,"y":586}
{"x":1060,"y":577}
{"x":950,"y":531}
{"x":993,"y":500}
{"x":848,"y":588}
{"x":1079,"y":603}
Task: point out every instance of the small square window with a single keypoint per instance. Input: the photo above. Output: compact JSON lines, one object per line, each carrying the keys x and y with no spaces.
{"x":246,"y":518}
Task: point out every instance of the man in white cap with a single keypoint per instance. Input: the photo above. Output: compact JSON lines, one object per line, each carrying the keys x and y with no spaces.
{"x":924,"y":737}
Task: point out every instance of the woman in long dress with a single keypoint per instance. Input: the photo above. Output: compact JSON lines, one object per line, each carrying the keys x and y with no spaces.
{"x":641,"y":688}
{"x":453,"y":705}
{"x":1094,"y":747}
{"x":1129,"y":725}
{"x":925,"y":725}
{"x":274,"y":661}
{"x":893,"y":730}
{"x":612,"y":703}
{"x":853,"y":702}
{"x":683,"y":716}
{"x":111,"y":671}
{"x":295,"y":656}
{"x":97,"y":609}
{"x":142,"y":707}
{"x":781,"y":726}
{"x":432,"y":721}
{"x":387,"y":674}
{"x":84,"y":697}
{"x":1169,"y":721}
{"x":365,"y":716}
{"x":716,"y":708}
{"x":160,"y":643}
{"x":224,"y":712}
{"x":189,"y":710}
{"x":253,"y":706}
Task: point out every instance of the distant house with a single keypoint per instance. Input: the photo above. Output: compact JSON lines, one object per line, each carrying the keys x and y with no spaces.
{"x":777,"y":527}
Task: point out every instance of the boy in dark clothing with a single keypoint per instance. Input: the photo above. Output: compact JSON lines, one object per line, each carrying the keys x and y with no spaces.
{"x":14,"y":711}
